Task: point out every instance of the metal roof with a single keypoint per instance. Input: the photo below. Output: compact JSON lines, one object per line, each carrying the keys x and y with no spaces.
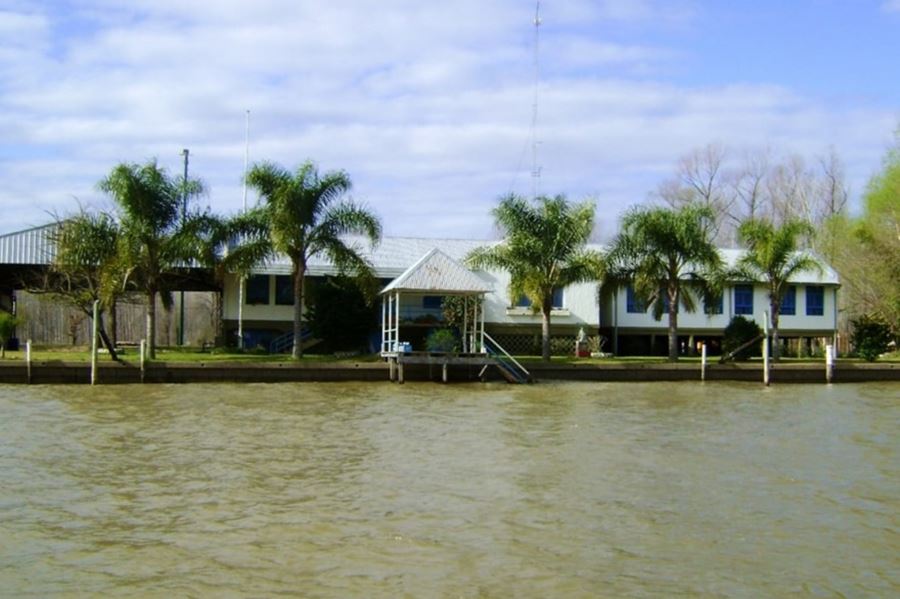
{"x":31,"y":246}
{"x":437,"y":272}
{"x":828,"y":276}
{"x":390,"y":257}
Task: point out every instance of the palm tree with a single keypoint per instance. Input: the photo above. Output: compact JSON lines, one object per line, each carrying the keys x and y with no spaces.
{"x":658,"y":250}
{"x":86,"y":267}
{"x":772,"y":258}
{"x":303,"y":216}
{"x":153,"y":237}
{"x":543,"y":249}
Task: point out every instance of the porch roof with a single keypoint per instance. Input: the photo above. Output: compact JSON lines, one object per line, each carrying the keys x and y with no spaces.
{"x":438,"y":273}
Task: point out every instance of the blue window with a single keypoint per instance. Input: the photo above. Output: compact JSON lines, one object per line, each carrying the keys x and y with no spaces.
{"x":557,"y":298}
{"x":815,"y":300}
{"x":789,"y":301}
{"x":743,"y":299}
{"x":284,"y":290}
{"x":258,"y":289}
{"x":556,"y":302}
{"x":432,"y":302}
{"x":632,"y":304}
{"x":714,"y":307}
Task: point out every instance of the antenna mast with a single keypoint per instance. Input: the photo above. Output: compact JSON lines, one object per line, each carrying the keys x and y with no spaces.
{"x":246,"y":157}
{"x":535,"y":169}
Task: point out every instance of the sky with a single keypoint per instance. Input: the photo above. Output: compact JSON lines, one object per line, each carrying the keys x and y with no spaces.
{"x":429,"y":106}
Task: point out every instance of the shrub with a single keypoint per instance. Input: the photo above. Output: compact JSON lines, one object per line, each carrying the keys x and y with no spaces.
{"x":738,"y":332}
{"x":871,"y":337}
{"x":8,"y":324}
{"x":442,"y":340}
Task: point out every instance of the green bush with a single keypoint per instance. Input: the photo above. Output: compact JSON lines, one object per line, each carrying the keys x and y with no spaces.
{"x":871,"y":337}
{"x":8,"y":324}
{"x":738,"y":332}
{"x":442,"y":340}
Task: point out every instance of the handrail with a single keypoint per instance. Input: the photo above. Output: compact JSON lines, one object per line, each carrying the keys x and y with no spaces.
{"x":286,"y":340}
{"x":732,"y":354}
{"x":505,"y":353}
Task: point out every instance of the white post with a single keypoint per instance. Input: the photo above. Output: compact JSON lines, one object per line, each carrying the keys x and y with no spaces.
{"x":143,"y":357}
{"x":28,"y":361}
{"x":465,"y":331}
{"x":483,"y":350}
{"x":240,"y":331}
{"x":702,"y":361}
{"x":95,"y":328}
{"x":765,"y":350}
{"x":829,"y":363}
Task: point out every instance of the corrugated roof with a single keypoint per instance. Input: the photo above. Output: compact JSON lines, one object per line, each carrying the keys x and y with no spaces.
{"x":438,"y":273}
{"x":391,"y":257}
{"x":828,"y":276}
{"x":31,"y":246}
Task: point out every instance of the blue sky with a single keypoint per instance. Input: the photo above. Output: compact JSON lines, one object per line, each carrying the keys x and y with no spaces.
{"x":428,"y":105}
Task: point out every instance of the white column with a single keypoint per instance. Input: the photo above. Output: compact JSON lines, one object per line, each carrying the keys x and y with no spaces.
{"x":95,"y":326}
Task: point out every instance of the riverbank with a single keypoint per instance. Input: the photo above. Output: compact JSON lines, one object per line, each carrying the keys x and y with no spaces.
{"x":64,"y":372}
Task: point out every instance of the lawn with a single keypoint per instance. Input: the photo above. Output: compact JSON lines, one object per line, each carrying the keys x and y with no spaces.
{"x":189,"y":355}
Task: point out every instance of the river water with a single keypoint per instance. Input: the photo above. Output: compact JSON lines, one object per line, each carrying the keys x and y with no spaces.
{"x":422,"y":490}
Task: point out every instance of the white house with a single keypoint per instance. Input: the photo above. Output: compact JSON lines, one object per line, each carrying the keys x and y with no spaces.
{"x":809,"y":310}
{"x":267,"y":308}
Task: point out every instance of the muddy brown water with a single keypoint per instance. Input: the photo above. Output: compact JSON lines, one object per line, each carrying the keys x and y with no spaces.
{"x":471,"y":490}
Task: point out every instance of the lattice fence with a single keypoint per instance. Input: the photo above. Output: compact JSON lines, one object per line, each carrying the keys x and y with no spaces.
{"x":530,"y":345}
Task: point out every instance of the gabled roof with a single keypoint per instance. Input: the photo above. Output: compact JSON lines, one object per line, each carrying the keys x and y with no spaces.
{"x":436,"y":272}
{"x":827,"y":276}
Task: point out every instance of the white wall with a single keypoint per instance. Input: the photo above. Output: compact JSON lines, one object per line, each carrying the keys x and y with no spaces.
{"x":579,"y":305}
{"x":699,"y":321}
{"x":271,"y":312}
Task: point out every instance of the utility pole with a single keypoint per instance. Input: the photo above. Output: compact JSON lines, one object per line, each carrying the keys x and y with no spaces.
{"x":184,"y":198}
{"x":535,"y":167}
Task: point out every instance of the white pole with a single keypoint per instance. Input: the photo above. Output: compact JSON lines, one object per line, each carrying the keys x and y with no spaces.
{"x":483,"y":350}
{"x":240,"y":331}
{"x":95,"y":327}
{"x":242,"y":283}
{"x":829,"y":363}
{"x":702,"y":361}
{"x":465,"y":335}
{"x":143,"y":357}
{"x":28,"y":360}
{"x":765,"y":351}
{"x":246,"y":157}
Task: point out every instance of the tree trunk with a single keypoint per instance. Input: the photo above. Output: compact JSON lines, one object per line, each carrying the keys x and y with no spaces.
{"x":545,"y":328}
{"x":673,"y":326}
{"x":299,"y":292}
{"x":113,"y":324}
{"x":104,"y":338}
{"x":774,"y":312}
{"x":151,"y":324}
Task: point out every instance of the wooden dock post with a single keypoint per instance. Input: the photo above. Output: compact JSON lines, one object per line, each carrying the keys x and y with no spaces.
{"x":28,"y":361}
{"x":702,"y":361}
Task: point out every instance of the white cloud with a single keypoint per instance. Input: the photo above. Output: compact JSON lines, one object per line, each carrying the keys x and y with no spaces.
{"x":427,"y":105}
{"x":891,"y":6}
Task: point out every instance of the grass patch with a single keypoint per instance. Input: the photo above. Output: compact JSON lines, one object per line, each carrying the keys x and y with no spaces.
{"x":177,"y":355}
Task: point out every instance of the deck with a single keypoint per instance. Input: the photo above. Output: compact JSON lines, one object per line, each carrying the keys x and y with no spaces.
{"x":396,"y":360}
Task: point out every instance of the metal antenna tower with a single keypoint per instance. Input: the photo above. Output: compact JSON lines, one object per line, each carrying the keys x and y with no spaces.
{"x":535,"y":168}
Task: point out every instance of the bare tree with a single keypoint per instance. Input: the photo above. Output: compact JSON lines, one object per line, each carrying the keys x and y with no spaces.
{"x":834,"y":188}
{"x":749,"y":183}
{"x":700,"y":180}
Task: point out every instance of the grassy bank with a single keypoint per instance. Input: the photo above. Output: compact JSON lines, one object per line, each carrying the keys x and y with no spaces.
{"x":196,"y":355}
